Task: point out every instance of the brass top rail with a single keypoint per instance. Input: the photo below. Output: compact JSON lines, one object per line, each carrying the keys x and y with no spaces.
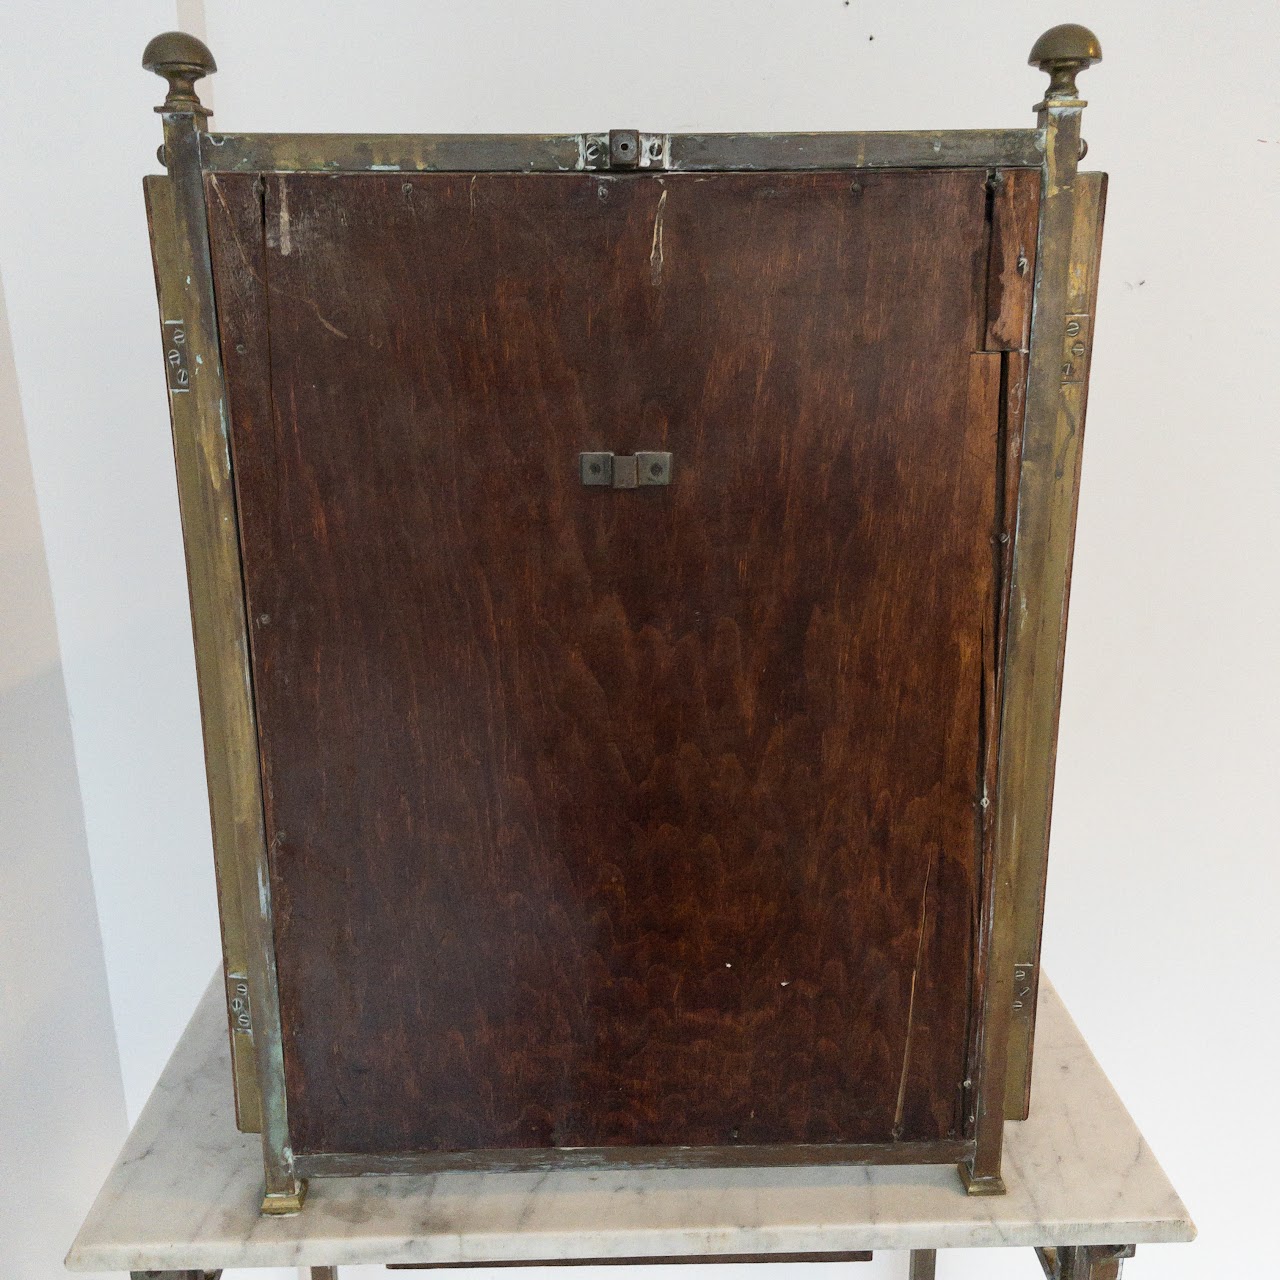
{"x":590,"y":152}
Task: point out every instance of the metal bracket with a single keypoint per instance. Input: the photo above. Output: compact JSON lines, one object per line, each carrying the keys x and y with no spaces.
{"x":175,"y":355}
{"x":624,"y":149}
{"x":238,"y":1004}
{"x":1024,"y":988}
{"x":624,"y":471}
{"x":1075,"y":348}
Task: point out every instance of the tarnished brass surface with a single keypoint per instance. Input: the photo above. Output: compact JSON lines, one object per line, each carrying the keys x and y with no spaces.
{"x":334,"y":1164}
{"x":393,"y":153}
{"x":182,"y":60}
{"x":980,"y":1184}
{"x":566,"y":153}
{"x":213,"y":581}
{"x":1062,"y":53}
{"x":1029,"y":885}
{"x":1033,"y":651}
{"x":947,"y":148}
{"x":210,"y":533}
{"x":284,"y":1204}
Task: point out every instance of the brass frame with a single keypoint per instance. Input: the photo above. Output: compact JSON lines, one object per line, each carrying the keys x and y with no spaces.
{"x":589,"y":152}
{"x":1014,"y":865}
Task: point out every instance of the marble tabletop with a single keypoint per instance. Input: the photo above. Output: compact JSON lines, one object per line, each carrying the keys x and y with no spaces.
{"x":186,"y":1189}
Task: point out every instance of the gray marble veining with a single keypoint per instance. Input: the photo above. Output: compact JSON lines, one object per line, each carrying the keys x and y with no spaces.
{"x":186,"y":1189}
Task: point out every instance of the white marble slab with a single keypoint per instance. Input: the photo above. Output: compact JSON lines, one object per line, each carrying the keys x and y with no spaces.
{"x":186,"y":1189}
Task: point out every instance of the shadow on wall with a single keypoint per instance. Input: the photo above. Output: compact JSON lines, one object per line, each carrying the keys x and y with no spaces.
{"x":62,"y":1113}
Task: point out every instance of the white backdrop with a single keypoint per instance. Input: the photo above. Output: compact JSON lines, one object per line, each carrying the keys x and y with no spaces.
{"x":1163,"y":890}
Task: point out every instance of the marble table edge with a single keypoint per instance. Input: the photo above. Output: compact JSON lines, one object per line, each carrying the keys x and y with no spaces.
{"x":551,"y":1247}
{"x":338,"y":1227}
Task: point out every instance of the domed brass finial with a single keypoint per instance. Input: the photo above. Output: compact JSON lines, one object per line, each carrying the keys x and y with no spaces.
{"x":1062,"y":53}
{"x":182,"y":60}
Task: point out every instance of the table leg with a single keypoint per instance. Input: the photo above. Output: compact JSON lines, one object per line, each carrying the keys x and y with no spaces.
{"x":324,"y":1273}
{"x":1085,"y":1261}
{"x":924,"y":1263}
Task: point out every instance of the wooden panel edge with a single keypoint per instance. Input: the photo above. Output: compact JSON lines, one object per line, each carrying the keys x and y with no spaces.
{"x":1011,"y":261}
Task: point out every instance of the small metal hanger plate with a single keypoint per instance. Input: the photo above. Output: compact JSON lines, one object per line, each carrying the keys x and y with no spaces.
{"x":625,"y":471}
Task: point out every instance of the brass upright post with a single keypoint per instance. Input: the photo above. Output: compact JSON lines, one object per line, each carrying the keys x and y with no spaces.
{"x":197,"y":400}
{"x":1037,"y":596}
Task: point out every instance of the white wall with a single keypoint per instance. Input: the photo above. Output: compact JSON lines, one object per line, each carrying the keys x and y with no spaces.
{"x":1163,"y":888}
{"x":81,"y":389}
{"x":79,"y":134}
{"x":61,"y":1104}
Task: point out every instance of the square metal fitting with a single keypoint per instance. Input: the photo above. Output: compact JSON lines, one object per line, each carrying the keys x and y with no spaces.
{"x":596,"y":468}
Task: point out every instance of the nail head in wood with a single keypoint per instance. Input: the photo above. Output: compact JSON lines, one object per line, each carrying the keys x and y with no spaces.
{"x":182,"y":60}
{"x":1062,"y":53}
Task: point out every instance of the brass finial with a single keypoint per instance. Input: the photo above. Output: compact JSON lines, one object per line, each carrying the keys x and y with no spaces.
{"x":1062,"y":53}
{"x":182,"y":60}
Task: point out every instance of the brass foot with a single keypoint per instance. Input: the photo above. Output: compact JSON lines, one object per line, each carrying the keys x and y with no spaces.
{"x":981,"y":1184}
{"x":280,"y":1204}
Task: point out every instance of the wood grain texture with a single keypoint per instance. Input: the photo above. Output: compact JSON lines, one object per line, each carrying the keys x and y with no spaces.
{"x":610,"y":818}
{"x":1011,"y":267}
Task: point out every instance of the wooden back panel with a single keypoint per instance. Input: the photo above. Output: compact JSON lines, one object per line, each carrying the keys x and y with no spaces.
{"x":600,"y":817}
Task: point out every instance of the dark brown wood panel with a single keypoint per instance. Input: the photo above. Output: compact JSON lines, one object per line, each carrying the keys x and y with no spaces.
{"x":600,"y":817}
{"x":1015,"y":223}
